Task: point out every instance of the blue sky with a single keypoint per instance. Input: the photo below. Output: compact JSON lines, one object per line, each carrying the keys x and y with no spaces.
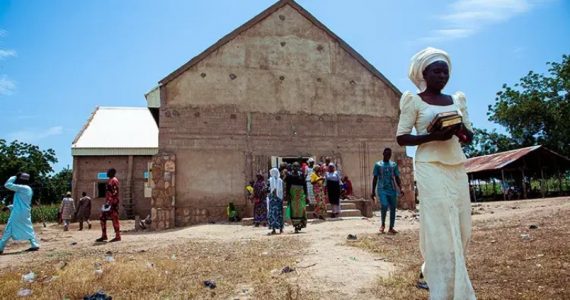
{"x":61,"y":59}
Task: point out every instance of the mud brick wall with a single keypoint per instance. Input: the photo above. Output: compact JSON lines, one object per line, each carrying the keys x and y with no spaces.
{"x":86,"y":168}
{"x":284,"y":87}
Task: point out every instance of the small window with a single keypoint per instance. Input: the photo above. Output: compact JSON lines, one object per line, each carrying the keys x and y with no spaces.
{"x":101,"y":189}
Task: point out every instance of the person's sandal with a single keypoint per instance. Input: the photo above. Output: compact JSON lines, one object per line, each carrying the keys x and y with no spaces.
{"x":382,"y":228}
{"x":392,"y":231}
{"x":422,"y":285}
{"x":101,"y":239}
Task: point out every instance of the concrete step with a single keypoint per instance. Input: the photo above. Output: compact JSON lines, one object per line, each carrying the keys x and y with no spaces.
{"x":343,"y":206}
{"x":343,"y":213}
{"x":347,"y":213}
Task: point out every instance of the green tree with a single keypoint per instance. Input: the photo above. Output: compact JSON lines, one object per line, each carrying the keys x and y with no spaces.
{"x":52,"y":188}
{"x":23,"y":157}
{"x":488,"y":142}
{"x":18,"y":156}
{"x":537,"y":109}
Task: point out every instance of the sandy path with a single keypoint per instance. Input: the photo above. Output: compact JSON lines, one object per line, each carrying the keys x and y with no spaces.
{"x":339,"y":270}
{"x":327,"y":265}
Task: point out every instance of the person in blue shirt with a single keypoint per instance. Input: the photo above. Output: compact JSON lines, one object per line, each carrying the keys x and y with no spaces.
{"x":19,"y":226}
{"x":387,"y":186}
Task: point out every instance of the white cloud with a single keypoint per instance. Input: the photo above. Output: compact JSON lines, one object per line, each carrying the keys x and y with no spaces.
{"x":467,"y":17}
{"x":29,"y":135}
{"x":7,"y":86}
{"x":6,"y":53}
{"x":519,"y":52}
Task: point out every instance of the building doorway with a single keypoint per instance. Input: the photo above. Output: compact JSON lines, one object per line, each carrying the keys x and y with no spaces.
{"x":276,"y":161}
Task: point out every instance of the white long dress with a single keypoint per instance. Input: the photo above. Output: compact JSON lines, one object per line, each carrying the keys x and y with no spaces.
{"x":443,"y":191}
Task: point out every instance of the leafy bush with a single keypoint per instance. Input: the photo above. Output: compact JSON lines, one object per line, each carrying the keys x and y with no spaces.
{"x":47,"y":212}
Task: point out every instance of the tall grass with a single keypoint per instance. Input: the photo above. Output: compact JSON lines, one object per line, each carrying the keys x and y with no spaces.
{"x":46,"y":213}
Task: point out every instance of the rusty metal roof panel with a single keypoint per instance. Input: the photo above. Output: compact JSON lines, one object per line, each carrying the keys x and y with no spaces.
{"x":497,"y":161}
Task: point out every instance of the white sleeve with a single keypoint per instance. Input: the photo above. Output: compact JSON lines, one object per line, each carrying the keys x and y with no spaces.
{"x":462,"y":104}
{"x":408,"y":114}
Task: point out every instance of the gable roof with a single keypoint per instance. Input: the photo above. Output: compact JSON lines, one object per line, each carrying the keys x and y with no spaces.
{"x":497,"y":161}
{"x":117,"y":131}
{"x":260,"y":17}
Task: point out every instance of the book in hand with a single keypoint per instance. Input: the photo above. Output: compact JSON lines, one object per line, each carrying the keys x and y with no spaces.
{"x":445,"y":120}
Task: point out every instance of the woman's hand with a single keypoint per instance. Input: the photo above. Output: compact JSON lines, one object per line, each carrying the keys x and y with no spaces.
{"x":443,"y":135}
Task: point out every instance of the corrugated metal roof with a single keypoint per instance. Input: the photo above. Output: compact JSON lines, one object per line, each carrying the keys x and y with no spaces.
{"x":130,"y":129}
{"x":497,"y":161}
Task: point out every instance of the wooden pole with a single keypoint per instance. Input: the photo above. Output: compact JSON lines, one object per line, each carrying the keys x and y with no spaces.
{"x":472,"y":188}
{"x":523,"y":184}
{"x":542,"y":182}
{"x":479,"y":187}
{"x":503,"y":184}
{"x":559,"y":182}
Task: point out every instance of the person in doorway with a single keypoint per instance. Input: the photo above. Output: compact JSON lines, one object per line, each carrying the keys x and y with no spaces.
{"x":19,"y":226}
{"x":296,"y":202}
{"x":333,"y":182}
{"x":386,"y":185}
{"x":67,"y":210}
{"x":259,"y":201}
{"x":443,"y":186}
{"x":275,"y":202}
{"x":110,"y":209}
{"x":308,"y":172}
{"x":283,"y":171}
{"x":317,"y":180}
{"x":83,"y":212}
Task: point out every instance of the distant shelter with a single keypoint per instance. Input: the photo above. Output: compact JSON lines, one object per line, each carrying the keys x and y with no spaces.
{"x":524,"y":173}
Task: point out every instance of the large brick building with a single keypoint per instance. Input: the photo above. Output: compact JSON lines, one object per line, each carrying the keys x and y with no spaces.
{"x":280,"y":86}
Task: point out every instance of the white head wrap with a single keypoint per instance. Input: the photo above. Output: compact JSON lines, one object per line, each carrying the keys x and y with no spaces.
{"x":275,"y":183}
{"x":421,"y":60}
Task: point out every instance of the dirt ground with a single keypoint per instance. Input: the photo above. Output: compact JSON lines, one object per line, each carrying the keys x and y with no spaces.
{"x":327,"y":266}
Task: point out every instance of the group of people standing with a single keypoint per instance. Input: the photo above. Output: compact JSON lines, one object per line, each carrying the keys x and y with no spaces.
{"x":296,"y":185}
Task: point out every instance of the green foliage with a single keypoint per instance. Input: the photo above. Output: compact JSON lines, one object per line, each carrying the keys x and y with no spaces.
{"x":52,"y":188}
{"x":537,"y":109}
{"x":17,"y":156}
{"x":23,"y":157}
{"x":46,"y":213}
{"x":488,"y":142}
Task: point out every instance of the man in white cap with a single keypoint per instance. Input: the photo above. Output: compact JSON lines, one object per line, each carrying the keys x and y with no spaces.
{"x":19,"y":226}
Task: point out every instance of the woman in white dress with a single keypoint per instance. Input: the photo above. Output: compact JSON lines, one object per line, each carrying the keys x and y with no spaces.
{"x":445,"y":214}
